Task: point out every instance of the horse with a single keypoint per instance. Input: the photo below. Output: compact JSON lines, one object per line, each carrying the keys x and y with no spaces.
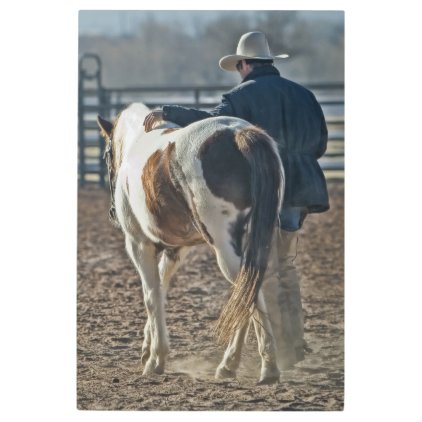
{"x":218,"y":181}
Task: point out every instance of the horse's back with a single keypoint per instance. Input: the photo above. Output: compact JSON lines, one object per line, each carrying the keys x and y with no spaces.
{"x":214,"y":161}
{"x":190,"y":138}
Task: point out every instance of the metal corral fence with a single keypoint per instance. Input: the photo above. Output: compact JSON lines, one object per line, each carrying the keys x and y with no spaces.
{"x":95,"y":99}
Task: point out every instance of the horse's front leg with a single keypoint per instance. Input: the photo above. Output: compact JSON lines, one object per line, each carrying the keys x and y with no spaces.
{"x":170,"y":261}
{"x":155,"y":348}
{"x":146,"y":345}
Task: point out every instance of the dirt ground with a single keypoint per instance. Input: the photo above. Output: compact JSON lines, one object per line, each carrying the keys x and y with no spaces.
{"x":111,"y":317}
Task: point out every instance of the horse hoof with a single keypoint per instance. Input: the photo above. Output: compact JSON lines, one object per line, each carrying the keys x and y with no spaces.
{"x":269,"y":375}
{"x":150,"y":368}
{"x":223,"y":372}
{"x":268,"y":380}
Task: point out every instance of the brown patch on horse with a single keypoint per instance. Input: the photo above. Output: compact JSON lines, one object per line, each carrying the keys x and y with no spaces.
{"x":169,"y":130}
{"x":173,"y":217}
{"x":226,"y":170}
{"x":179,"y":179}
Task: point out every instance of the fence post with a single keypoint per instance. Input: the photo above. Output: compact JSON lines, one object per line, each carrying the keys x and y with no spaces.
{"x":196,"y":94}
{"x":81,"y":140}
{"x":85,"y":76}
{"x":104,"y":110}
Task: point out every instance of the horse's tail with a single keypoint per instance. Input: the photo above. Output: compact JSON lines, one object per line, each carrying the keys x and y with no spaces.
{"x":267,"y":188}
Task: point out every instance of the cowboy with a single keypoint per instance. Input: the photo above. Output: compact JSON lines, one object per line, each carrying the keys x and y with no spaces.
{"x":291,"y":115}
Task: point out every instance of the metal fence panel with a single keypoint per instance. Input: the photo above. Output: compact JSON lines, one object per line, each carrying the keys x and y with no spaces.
{"x":95,"y":99}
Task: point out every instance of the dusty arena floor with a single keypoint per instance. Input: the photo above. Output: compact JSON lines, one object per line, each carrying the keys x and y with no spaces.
{"x":111,"y":316}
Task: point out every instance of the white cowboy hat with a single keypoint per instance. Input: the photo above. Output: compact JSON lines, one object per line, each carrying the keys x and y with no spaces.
{"x":253,"y":45}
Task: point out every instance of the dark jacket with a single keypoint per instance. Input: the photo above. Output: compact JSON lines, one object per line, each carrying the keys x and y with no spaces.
{"x":292,"y":116}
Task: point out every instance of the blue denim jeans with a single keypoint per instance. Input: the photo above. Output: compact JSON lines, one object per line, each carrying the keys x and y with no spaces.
{"x":292,"y":218}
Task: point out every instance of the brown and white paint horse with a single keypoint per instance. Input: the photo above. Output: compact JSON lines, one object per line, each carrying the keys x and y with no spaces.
{"x":219,"y":181}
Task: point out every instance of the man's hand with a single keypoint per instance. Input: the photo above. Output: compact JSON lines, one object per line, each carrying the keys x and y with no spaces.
{"x":151,"y":118}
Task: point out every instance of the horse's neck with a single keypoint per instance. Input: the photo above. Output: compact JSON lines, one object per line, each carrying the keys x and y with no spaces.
{"x":129,"y":127}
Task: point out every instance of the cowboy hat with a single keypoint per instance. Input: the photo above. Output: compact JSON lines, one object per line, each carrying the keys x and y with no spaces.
{"x":252,"y":45}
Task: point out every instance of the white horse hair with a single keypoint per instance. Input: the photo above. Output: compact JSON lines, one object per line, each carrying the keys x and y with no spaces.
{"x":219,"y":181}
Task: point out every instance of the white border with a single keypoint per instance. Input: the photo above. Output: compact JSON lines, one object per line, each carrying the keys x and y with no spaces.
{"x":38,"y":313}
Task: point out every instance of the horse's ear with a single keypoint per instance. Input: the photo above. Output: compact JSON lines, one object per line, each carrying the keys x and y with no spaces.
{"x":106,"y":127}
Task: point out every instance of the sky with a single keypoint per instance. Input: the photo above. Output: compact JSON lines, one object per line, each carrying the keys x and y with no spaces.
{"x":126,"y":22}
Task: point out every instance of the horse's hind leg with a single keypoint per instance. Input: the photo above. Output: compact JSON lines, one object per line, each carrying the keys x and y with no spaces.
{"x":144,"y":257}
{"x":170,"y":261}
{"x":229,"y":264}
{"x":266,"y":347}
{"x":228,"y":366}
{"x":266,"y":343}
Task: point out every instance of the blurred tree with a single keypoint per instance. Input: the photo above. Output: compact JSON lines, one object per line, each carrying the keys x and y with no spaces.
{"x":165,"y":53}
{"x":219,"y":38}
{"x":279,"y":28}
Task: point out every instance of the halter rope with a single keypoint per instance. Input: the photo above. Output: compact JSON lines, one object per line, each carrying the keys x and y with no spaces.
{"x":108,"y":156}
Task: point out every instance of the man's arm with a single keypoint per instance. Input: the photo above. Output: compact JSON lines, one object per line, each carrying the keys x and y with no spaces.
{"x":184,"y":116}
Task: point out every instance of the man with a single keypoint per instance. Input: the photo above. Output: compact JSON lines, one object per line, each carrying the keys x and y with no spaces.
{"x":292,"y":116}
